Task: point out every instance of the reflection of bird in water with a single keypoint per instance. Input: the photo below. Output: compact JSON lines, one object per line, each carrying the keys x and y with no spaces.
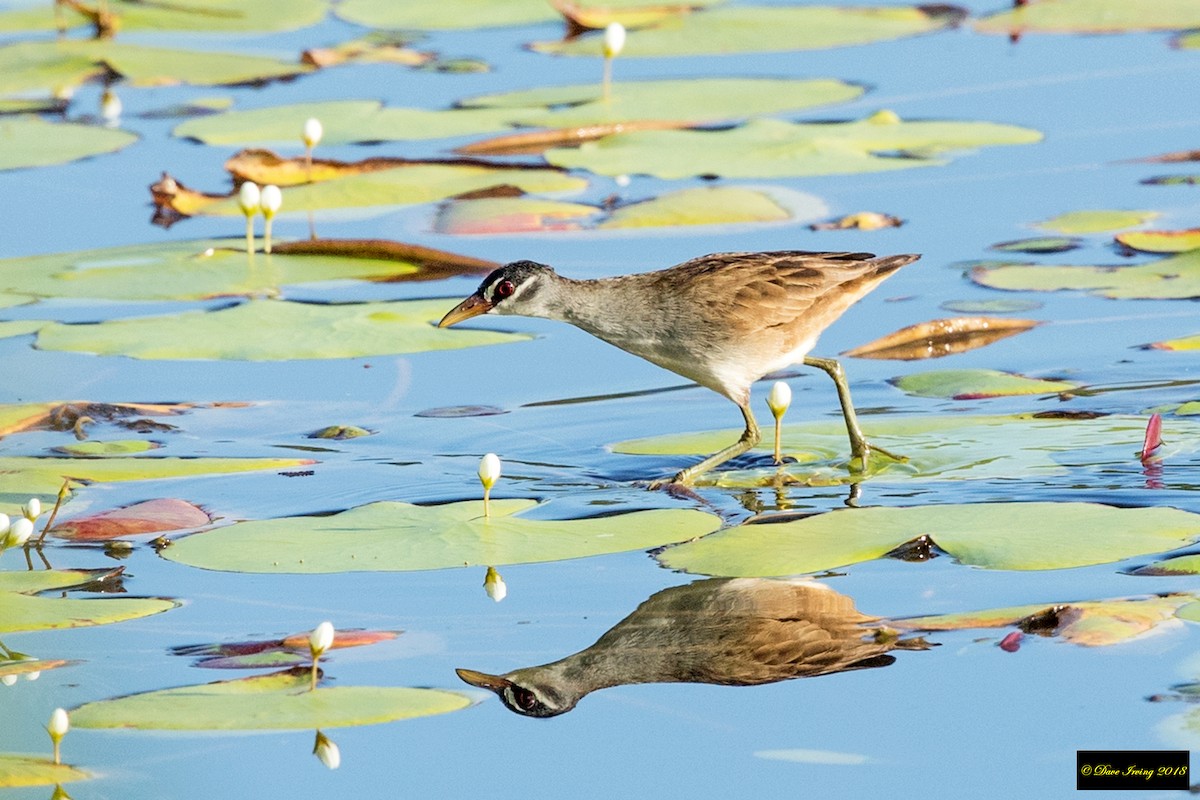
{"x":734,"y":632}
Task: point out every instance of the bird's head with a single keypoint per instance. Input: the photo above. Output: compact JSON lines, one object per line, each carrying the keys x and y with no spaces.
{"x":512,"y":289}
{"x":523,"y":693}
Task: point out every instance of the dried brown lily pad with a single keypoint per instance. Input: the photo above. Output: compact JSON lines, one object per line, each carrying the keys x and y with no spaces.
{"x":941,"y":337}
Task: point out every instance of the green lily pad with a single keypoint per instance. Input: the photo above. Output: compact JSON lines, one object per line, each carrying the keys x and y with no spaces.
{"x":1174,"y":278}
{"x":344,"y":122}
{"x":698,"y":100}
{"x":765,"y":29}
{"x":1041,"y":244}
{"x":1093,"y":16}
{"x":17,"y":769}
{"x":19,"y":327}
{"x":97,"y":449}
{"x":976,"y":384}
{"x":1077,"y":222}
{"x":1182,"y":565}
{"x":1188,"y":41}
{"x":52,"y":66}
{"x":1161,"y":241}
{"x":1182,"y":343}
{"x":278,"y":701}
{"x":1091,"y":623}
{"x":956,"y":447}
{"x":274,"y":330}
{"x":182,"y":270}
{"x":772,"y":148}
{"x":20,"y":611}
{"x":390,"y":536}
{"x":28,"y":141}
{"x":445,"y":15}
{"x":46,"y":580}
{"x":1012,"y":536}
{"x":195,"y":16}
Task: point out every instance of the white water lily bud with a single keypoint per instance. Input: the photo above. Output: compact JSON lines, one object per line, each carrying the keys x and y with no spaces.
{"x":32,"y":510}
{"x":4,"y":523}
{"x":779,"y":398}
{"x":270,"y":200}
{"x":327,"y":751}
{"x":110,"y":108}
{"x":614,"y":39}
{"x":313,"y":131}
{"x":249,"y":198}
{"x":489,"y":470}
{"x":18,"y":532}
{"x":321,"y":638}
{"x":60,"y":723}
{"x":494,"y":585}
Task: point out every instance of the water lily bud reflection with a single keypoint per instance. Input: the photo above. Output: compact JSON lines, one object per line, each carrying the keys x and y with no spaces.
{"x":33,"y":509}
{"x":8,"y":680}
{"x":321,"y":639}
{"x":110,"y":108}
{"x":313,"y":131}
{"x":494,"y":585}
{"x":327,"y":751}
{"x":614,"y":39}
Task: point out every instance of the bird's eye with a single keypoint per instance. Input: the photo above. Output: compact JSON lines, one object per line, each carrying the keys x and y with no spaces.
{"x":524,"y":699}
{"x":503,"y":289}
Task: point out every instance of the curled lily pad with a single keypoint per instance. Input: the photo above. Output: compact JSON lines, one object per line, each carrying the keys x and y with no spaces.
{"x":152,"y":516}
{"x":388,"y":536}
{"x":278,"y":701}
{"x":1093,"y":16}
{"x":28,"y":141}
{"x":1096,"y":221}
{"x":764,"y":29}
{"x":1013,"y":536}
{"x":1176,"y":277}
{"x":274,"y":330}
{"x":941,"y":337}
{"x":17,"y":769}
{"x":976,"y":384}
{"x":773,"y":148}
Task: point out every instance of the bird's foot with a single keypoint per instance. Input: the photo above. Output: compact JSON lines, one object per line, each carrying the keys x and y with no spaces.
{"x":860,"y":456}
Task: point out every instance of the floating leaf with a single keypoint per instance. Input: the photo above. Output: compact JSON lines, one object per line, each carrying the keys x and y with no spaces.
{"x":340,"y":432}
{"x":1161,"y":241}
{"x":494,"y":215}
{"x":946,"y":447}
{"x":1182,"y":343}
{"x":1181,"y":565}
{"x":1093,"y":16}
{"x":344,"y":122}
{"x":538,"y":141}
{"x":274,"y":330}
{"x":152,"y":516}
{"x":941,"y":337}
{"x":278,"y":701}
{"x":1041,"y":244}
{"x":27,"y":141}
{"x":772,"y":148}
{"x":455,"y":412}
{"x":691,"y":100}
{"x":1013,"y":536}
{"x":1096,"y":221}
{"x":97,"y":449}
{"x":194,"y":16}
{"x":375,"y":48}
{"x":389,"y":536}
{"x":275,"y":653}
{"x":630,"y":13}
{"x":990,"y":306}
{"x":1174,"y":278}
{"x":31,"y":770}
{"x":21,"y":612}
{"x":863,"y":221}
{"x":46,"y":580}
{"x":764,"y":29}
{"x":26,"y":666}
{"x":444,"y":15}
{"x":976,"y":384}
{"x":1093,"y":623}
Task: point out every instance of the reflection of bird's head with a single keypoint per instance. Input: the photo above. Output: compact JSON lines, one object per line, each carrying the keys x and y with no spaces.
{"x":523,"y":693}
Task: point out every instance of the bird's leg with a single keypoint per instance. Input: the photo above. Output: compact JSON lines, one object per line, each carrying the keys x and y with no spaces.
{"x":750,"y":437}
{"x":860,"y":448}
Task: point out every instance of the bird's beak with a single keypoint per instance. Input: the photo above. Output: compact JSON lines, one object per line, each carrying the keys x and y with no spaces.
{"x":495,"y":683}
{"x":473,"y":306}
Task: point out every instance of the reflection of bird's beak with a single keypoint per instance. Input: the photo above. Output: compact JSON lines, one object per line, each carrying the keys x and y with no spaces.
{"x":473,"y":306}
{"x":481,"y":679}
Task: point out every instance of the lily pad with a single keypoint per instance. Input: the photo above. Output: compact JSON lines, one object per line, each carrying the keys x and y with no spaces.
{"x":1076,"y":222}
{"x":390,"y":536}
{"x":445,"y":15}
{"x":990,"y":306}
{"x":938,"y":448}
{"x":28,"y":141}
{"x":274,"y":330}
{"x":765,"y":29}
{"x":28,"y":666}
{"x":976,"y":384}
{"x":1161,"y":241}
{"x":772,"y":148}
{"x":20,"y":610}
{"x":493,"y":215}
{"x":695,"y":100}
{"x":278,"y":701}
{"x":195,"y":16}
{"x":1093,"y":16}
{"x":1182,"y":343}
{"x":1012,"y":536}
{"x":1174,"y":278}
{"x":152,"y":516}
{"x":1181,"y":565}
{"x":17,"y":769}
{"x":97,"y":449}
{"x":292,"y":651}
{"x":344,"y":122}
{"x":941,"y":337}
{"x":1041,"y":244}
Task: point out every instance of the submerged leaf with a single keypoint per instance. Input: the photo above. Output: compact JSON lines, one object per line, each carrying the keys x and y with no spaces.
{"x":1014,"y":536}
{"x":941,"y":337}
{"x":976,"y":384}
{"x":389,"y":536}
{"x":278,"y":701}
